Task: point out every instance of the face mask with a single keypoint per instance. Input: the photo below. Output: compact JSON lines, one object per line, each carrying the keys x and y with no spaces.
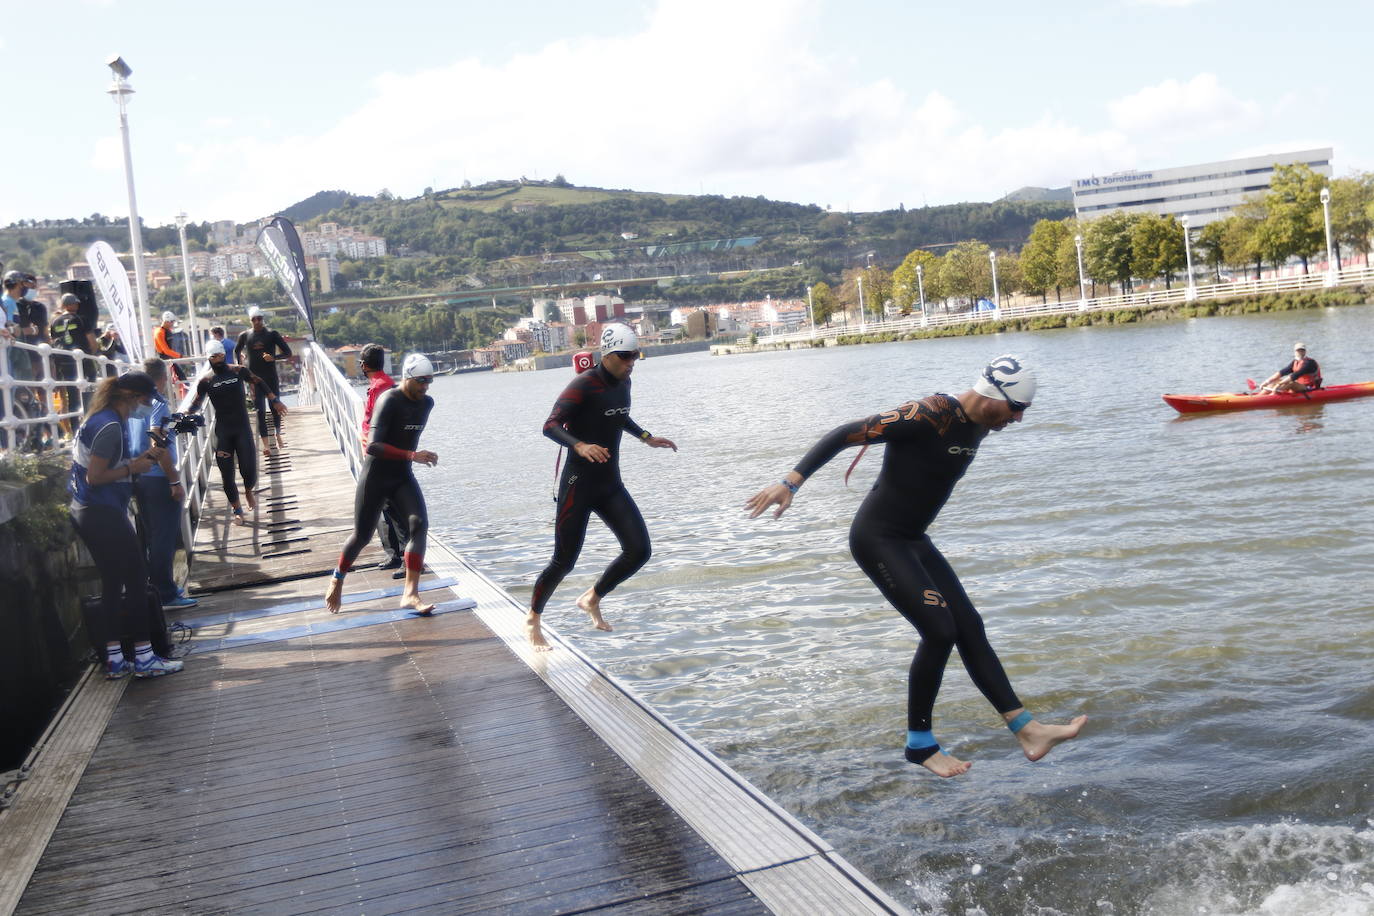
{"x":142,"y":412}
{"x":30,"y":294}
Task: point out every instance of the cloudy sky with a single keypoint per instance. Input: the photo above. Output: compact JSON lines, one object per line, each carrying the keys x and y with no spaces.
{"x":244,"y":107}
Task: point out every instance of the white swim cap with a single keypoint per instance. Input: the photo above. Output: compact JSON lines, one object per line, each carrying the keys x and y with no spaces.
{"x":168,"y":316}
{"x":214,"y":348}
{"x":254,"y":312}
{"x":618,"y":338}
{"x":416,"y":366}
{"x":1007,"y":377}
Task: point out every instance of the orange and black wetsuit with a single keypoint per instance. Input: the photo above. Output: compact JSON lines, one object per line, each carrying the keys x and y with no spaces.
{"x":1304,"y":371}
{"x":930,"y":444}
{"x":388,"y":477}
{"x":594,"y":408}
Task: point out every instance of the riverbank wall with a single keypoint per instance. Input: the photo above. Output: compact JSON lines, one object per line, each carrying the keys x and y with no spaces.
{"x":564,"y":360}
{"x":44,"y":572}
{"x":1238,"y":305}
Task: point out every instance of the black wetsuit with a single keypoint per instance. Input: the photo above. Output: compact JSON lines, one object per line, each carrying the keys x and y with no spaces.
{"x":251,"y":350}
{"x":223,"y":385}
{"x":930,"y":443}
{"x":387,"y":476}
{"x":594,"y":408}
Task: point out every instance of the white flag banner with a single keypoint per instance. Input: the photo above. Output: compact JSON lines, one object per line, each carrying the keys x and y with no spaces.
{"x":112,"y":280}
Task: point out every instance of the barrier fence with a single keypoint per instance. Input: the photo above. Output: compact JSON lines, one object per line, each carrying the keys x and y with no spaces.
{"x":324,"y":385}
{"x":1122,"y":301}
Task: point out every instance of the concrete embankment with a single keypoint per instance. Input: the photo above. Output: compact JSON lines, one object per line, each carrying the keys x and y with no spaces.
{"x":1239,"y":305}
{"x":564,"y":360}
{"x":43,"y":574}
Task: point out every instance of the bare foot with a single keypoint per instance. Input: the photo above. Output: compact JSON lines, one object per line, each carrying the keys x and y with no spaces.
{"x":250,"y":499}
{"x":238,"y":515}
{"x":281,"y":443}
{"x":535,"y":633}
{"x":333,"y":596}
{"x":590,"y":603}
{"x":944,"y":765}
{"x":412,"y":600}
{"x":1037,"y":738}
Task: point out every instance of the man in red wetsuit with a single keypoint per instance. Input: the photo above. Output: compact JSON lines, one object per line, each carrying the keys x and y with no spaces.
{"x":1302,"y":374}
{"x":391,"y":529}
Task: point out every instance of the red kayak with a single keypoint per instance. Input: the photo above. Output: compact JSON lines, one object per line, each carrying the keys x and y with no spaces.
{"x":1198,"y":403}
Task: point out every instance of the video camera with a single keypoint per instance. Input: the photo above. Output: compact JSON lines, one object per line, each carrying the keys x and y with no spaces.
{"x":184,"y":422}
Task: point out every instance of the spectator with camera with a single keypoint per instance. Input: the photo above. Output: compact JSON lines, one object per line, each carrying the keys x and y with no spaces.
{"x":159,"y":494}
{"x":111,"y":347}
{"x":101,"y":484}
{"x":18,"y":297}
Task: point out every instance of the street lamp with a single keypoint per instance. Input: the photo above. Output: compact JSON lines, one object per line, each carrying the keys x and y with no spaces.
{"x":921,"y":287}
{"x":1191,"y":294}
{"x":811,"y":309}
{"x":121,"y":90}
{"x":996,"y":299}
{"x":1331,"y":273}
{"x":863,"y":313}
{"x":1082,"y":286}
{"x":196,"y":348}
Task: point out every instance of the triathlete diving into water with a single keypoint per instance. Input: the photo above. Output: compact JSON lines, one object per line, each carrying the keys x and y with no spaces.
{"x":388,"y":475}
{"x":224,"y":386}
{"x":930,"y":444}
{"x":588,"y":418}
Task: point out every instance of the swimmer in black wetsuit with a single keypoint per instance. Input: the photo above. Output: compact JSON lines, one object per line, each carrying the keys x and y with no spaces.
{"x":930,"y":443}
{"x":588,"y":418}
{"x":397,"y":422}
{"x":223,"y":385}
{"x":259,"y":348}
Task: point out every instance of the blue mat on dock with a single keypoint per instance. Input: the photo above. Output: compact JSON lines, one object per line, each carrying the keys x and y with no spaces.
{"x":341,"y":621}
{"x":307,"y":604}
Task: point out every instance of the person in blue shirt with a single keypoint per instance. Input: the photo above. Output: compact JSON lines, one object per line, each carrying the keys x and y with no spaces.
{"x":101,"y":484}
{"x":158,"y":493}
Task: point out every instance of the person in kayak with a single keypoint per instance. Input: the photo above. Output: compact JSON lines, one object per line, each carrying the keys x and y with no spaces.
{"x":588,"y":418}
{"x":930,"y":444}
{"x":1300,"y":375}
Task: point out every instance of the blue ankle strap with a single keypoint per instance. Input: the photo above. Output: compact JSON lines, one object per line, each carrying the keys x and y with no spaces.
{"x":1020,"y":721}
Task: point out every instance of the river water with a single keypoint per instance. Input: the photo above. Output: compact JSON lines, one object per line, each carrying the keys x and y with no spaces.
{"x":1199,"y":586}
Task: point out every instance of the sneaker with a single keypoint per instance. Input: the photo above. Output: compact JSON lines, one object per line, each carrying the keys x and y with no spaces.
{"x":157,"y":667}
{"x":116,"y":670}
{"x":390,"y":563}
{"x":180,"y":601}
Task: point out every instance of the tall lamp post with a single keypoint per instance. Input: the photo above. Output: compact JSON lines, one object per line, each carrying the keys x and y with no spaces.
{"x":811,"y":309}
{"x":196,"y":348}
{"x":921,"y":287}
{"x":996,"y":299}
{"x":1191,"y":293}
{"x":1082,"y":286}
{"x":1331,"y":274}
{"x":121,"y":90}
{"x":863,"y":313}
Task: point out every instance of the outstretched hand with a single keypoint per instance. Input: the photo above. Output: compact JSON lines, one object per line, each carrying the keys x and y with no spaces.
{"x":426,"y":458}
{"x":660,"y":442}
{"x":768,"y":496}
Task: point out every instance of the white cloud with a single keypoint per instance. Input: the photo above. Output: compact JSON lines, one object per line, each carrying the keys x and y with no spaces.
{"x":764,"y":109}
{"x":1200,"y":105}
{"x":107,"y":155}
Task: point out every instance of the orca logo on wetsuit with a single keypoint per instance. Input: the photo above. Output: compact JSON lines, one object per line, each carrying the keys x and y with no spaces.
{"x":615,"y":410}
{"x":962,"y":450}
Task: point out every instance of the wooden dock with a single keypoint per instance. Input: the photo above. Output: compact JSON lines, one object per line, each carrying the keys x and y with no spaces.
{"x":377,"y":762}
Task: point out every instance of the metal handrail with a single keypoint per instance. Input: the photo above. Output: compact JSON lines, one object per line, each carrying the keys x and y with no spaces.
{"x":342,"y":407}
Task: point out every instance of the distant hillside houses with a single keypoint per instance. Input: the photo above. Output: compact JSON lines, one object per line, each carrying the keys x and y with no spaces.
{"x":237,"y":256}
